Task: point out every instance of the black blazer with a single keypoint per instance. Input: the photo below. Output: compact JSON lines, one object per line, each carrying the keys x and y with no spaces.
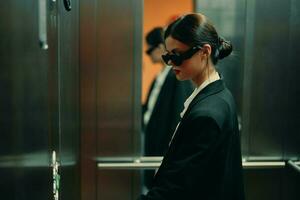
{"x":204,"y":159}
{"x":165,"y":115}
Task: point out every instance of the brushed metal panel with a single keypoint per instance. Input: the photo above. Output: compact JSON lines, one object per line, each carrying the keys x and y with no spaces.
{"x":25,"y":110}
{"x":114,"y":59}
{"x":118,"y":88}
{"x":247,"y":75}
{"x":6,"y":104}
{"x":229,"y":19}
{"x":68,"y":97}
{"x":263,"y":184}
{"x":137,"y":77}
{"x":117,"y":184}
{"x":261,"y":75}
{"x":88,"y":106}
{"x":291,"y":184}
{"x":269,"y":93}
{"x":268,"y":102}
{"x":117,"y":85}
{"x":292,"y":70}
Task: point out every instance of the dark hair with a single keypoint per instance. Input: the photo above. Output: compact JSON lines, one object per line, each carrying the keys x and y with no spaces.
{"x":155,"y":36}
{"x":196,"y":30}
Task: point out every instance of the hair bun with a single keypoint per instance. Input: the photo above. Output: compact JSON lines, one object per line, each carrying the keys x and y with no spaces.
{"x":225,"y":48}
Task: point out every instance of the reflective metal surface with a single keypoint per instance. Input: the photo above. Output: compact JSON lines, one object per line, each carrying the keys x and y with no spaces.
{"x":267,"y":128}
{"x":294,"y":165}
{"x":154,"y":162}
{"x":292,"y":91}
{"x":86,"y":82}
{"x":118,"y":77}
{"x":260,"y":74}
{"x":24,"y":144}
{"x":264,"y":83}
{"x":42,"y":10}
{"x":118,"y":91}
{"x":88,"y":98}
{"x":229,"y":19}
{"x":110,"y":62}
{"x":68,"y":100}
{"x":39,"y":103}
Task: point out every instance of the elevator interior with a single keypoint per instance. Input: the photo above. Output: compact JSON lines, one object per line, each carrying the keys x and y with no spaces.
{"x":71,"y":84}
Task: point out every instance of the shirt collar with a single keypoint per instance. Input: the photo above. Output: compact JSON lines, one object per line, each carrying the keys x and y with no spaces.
{"x":212,"y":78}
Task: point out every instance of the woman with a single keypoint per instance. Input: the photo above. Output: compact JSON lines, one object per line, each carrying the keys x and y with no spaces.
{"x":204,"y":158}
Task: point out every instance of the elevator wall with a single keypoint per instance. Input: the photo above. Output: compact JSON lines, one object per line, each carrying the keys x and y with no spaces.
{"x":39,"y":82}
{"x":110,"y":73}
{"x":262,"y":75}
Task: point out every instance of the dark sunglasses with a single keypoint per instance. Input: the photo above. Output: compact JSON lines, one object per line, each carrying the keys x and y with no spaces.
{"x":177,"y":59}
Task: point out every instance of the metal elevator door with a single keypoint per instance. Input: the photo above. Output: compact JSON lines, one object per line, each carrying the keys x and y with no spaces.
{"x":39,"y":99}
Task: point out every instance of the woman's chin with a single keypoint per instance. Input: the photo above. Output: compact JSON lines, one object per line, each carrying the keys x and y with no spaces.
{"x":180,"y":78}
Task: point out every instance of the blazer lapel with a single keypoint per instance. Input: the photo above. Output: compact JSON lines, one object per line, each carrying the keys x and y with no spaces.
{"x":211,"y":89}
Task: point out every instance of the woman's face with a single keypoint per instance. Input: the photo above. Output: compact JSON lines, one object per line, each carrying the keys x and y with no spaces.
{"x":156,"y":54}
{"x":190,"y":69}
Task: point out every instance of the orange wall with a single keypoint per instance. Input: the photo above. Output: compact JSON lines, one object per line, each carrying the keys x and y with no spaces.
{"x":158,"y":13}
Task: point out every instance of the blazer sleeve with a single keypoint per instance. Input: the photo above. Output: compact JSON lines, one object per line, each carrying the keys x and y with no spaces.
{"x":183,"y":172}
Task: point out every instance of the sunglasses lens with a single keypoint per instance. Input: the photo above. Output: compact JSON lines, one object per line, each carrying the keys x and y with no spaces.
{"x":176,"y":60}
{"x":166,"y":58}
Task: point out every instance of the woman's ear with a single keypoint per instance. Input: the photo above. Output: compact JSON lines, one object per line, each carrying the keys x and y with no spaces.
{"x":206,"y":49}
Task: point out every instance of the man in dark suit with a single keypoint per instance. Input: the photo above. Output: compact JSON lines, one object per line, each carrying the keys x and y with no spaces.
{"x":165,"y":100}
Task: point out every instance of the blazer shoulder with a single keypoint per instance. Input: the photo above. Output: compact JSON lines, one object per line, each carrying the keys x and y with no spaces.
{"x":214,"y":107}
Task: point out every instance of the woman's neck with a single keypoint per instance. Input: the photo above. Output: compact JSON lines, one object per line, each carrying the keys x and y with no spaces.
{"x":205,"y":75}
